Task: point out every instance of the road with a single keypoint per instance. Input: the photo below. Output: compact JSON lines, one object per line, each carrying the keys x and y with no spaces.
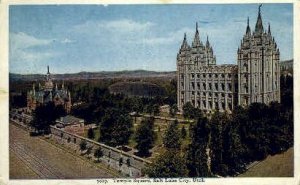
{"x":32,"y":157}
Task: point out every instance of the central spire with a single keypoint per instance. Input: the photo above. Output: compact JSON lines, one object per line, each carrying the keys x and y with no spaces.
{"x":259,"y":26}
{"x":48,"y":70}
{"x":196,"y":42}
{"x":248,"y":30}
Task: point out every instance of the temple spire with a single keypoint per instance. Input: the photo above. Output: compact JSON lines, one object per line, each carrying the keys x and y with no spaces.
{"x":248,"y":30}
{"x":184,"y":44}
{"x":269,"y":29}
{"x":48,"y":70}
{"x":196,"y":41}
{"x":207,"y":42}
{"x":259,"y":26}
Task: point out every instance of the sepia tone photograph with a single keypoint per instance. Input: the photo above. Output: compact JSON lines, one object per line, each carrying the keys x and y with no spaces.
{"x":151,"y":91}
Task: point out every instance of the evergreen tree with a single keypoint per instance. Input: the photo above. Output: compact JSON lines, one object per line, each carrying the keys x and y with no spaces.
{"x":156,"y":109}
{"x":183,"y":132}
{"x":218,"y":124}
{"x":144,"y":137}
{"x":98,"y":153}
{"x":171,"y":139}
{"x":83,"y":145}
{"x":115,"y":128}
{"x":173,"y":110}
{"x":168,"y":165}
{"x":91,"y":134}
{"x":196,"y":157}
{"x":188,"y":110}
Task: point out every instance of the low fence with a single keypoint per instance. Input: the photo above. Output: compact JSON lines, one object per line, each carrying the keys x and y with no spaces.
{"x":125,"y":163}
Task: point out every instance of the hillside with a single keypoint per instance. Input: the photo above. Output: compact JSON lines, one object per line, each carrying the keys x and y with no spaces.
{"x":280,"y":165}
{"x":94,"y":75}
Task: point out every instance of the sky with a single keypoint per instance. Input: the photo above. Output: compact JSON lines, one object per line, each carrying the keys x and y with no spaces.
{"x":76,"y":38}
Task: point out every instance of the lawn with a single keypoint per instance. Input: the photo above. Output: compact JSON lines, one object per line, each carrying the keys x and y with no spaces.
{"x":279,"y":165}
{"x":160,"y":126}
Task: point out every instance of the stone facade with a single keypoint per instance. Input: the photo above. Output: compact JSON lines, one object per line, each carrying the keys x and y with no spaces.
{"x":48,"y":93}
{"x":209,"y":86}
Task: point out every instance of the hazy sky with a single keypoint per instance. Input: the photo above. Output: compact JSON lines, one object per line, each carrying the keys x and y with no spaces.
{"x":74,"y":38}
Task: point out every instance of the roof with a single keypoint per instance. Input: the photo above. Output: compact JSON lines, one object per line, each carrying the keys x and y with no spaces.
{"x":69,"y":120}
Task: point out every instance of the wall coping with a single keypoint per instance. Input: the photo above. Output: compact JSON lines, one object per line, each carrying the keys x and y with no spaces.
{"x":103,"y":145}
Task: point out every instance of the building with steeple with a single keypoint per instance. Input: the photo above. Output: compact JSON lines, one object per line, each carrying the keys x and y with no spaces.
{"x":209,"y":86}
{"x":49,"y":93}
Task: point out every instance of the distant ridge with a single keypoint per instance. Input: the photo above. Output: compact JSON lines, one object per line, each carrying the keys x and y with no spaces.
{"x":94,"y":75}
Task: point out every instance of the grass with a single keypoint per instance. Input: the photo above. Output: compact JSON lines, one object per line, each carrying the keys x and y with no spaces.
{"x":160,"y":126}
{"x":279,"y":165}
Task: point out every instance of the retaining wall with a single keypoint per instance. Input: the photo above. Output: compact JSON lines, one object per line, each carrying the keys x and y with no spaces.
{"x":131,"y":165}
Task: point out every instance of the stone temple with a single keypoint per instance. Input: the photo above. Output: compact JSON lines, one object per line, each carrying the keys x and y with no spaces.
{"x":49,"y":93}
{"x":208,"y":86}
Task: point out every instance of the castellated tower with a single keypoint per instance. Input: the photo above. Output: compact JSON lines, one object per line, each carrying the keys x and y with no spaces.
{"x":258,"y":66}
{"x":200,"y":81}
{"x":208,"y":86}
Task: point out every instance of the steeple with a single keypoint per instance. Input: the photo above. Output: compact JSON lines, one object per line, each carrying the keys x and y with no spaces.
{"x":48,"y":74}
{"x":196,"y":41}
{"x":184,"y":44}
{"x":269,"y":29}
{"x":248,"y":30}
{"x":48,"y":70}
{"x":259,"y":26}
{"x":207,"y":42}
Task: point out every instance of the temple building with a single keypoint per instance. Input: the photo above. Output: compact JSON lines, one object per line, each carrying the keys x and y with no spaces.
{"x":49,"y":93}
{"x":208,"y":86}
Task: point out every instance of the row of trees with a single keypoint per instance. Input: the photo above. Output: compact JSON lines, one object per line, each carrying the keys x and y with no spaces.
{"x":225,"y":144}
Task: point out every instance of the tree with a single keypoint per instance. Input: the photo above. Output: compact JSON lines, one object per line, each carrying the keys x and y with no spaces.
{"x":83,"y":145}
{"x":218,"y":124}
{"x":115,"y":128}
{"x":189,"y":111}
{"x":173,"y":110}
{"x":183,"y":132}
{"x":168,"y":165}
{"x":137,"y":105}
{"x":98,"y":153}
{"x":144,"y":137}
{"x":45,"y":115}
{"x":171,"y":139}
{"x":156,"y":109}
{"x":91,"y":134}
{"x":196,"y":157}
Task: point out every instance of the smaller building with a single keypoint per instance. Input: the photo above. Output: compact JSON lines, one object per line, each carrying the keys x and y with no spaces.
{"x":48,"y":93}
{"x":71,"y":124}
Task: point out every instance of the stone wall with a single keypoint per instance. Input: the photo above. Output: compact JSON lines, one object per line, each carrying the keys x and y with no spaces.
{"x":131,"y":165}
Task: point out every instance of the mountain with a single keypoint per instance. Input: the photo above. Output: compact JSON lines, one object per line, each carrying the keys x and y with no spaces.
{"x":94,"y":75}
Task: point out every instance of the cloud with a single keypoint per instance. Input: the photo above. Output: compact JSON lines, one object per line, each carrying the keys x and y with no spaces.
{"x":67,"y":41}
{"x":23,"y":48}
{"x":170,"y":38}
{"x":122,"y":25}
{"x":206,"y":22}
{"x":22,"y":40}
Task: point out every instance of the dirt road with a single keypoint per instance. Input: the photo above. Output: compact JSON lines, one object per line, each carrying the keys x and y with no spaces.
{"x":32,"y":157}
